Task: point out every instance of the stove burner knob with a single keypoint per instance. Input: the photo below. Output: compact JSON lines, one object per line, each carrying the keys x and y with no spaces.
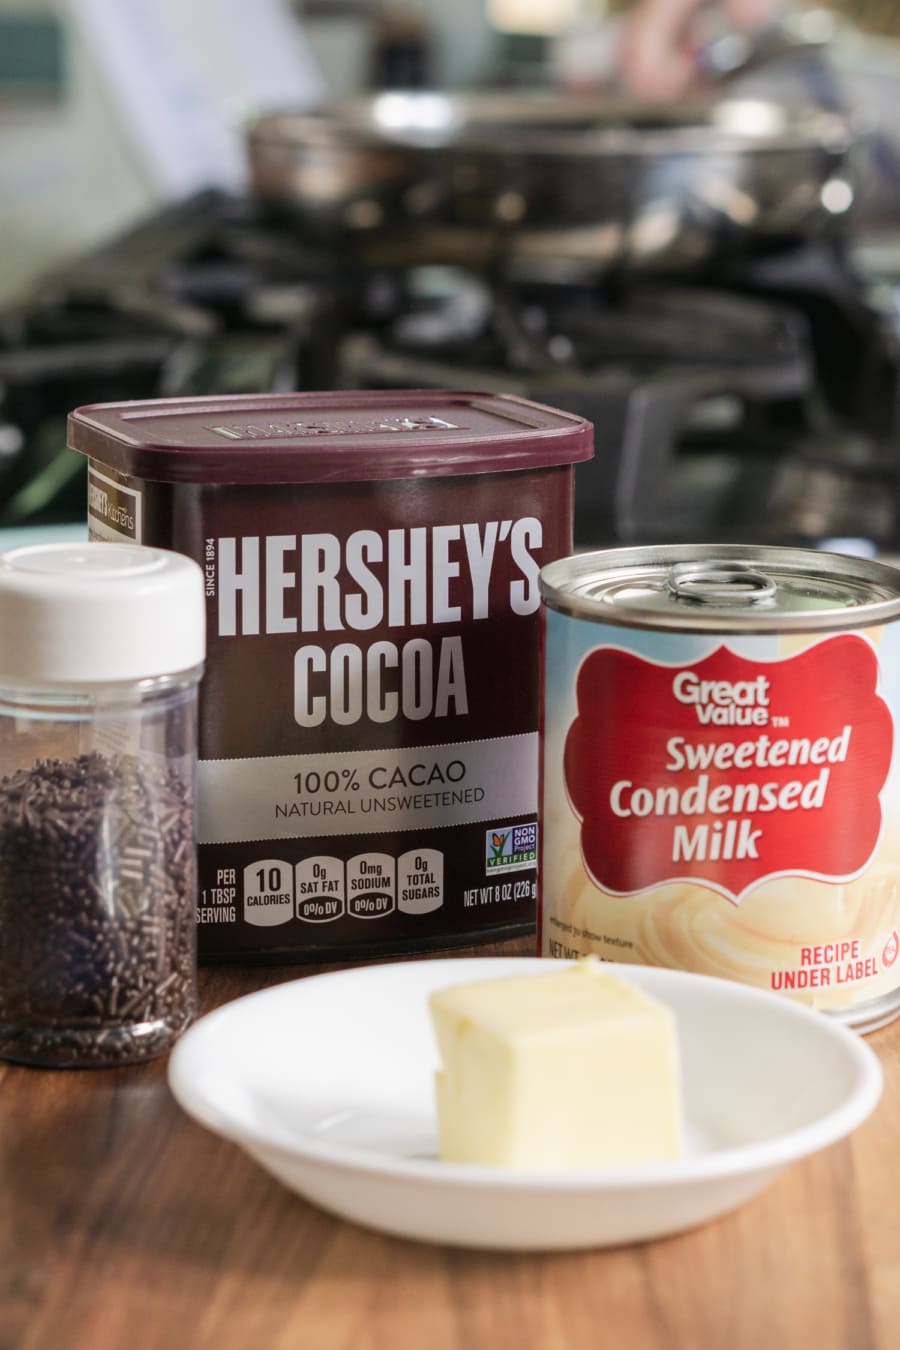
{"x":510,"y":208}
{"x":12,"y":441}
{"x":364,"y":214}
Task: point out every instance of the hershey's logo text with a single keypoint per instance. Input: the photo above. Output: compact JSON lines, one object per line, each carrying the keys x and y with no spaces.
{"x":403,"y":578}
{"x":409,"y":579}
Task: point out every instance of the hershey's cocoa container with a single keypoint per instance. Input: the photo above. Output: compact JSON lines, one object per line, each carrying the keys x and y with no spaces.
{"x":721,"y":776}
{"x":369,"y":716}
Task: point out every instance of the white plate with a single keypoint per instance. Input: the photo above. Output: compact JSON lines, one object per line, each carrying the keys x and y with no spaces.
{"x":328,"y":1083}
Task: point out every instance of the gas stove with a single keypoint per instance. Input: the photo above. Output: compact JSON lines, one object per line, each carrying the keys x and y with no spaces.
{"x":757,"y":403}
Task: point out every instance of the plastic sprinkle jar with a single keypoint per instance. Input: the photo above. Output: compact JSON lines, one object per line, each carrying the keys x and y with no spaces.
{"x":101,"y":651}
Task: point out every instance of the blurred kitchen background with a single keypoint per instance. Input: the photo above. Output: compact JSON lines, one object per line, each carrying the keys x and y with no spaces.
{"x":224,"y":196}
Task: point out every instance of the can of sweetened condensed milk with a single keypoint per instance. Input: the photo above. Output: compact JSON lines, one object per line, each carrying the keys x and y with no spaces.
{"x":721,"y":777}
{"x":368,"y":720}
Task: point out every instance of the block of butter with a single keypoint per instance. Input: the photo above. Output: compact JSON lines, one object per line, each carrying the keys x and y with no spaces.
{"x":574,"y":1068}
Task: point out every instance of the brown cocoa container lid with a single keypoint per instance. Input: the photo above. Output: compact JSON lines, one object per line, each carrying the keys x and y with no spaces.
{"x":340,"y":436}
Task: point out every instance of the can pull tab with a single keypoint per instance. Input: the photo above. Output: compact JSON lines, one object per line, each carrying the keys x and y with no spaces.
{"x":720,"y":583}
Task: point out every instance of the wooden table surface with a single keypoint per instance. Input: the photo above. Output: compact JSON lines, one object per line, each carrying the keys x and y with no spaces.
{"x":125,"y":1226}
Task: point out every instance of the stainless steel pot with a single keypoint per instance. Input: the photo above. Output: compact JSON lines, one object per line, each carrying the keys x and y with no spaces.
{"x":559,"y":178}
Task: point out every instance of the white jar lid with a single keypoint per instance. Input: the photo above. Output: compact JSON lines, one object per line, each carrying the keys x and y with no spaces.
{"x":92,"y":613}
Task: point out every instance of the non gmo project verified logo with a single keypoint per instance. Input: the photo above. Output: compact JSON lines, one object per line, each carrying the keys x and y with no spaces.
{"x":506,"y":849}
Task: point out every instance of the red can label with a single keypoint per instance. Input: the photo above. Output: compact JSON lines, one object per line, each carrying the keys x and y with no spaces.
{"x":727,"y":805}
{"x":728,"y":771}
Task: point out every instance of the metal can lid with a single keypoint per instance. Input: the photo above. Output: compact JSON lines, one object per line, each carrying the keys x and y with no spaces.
{"x":95,"y":613}
{"x":336,"y":437}
{"x":723,"y":588}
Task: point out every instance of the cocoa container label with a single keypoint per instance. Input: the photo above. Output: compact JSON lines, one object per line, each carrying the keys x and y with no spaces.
{"x":369,"y":745}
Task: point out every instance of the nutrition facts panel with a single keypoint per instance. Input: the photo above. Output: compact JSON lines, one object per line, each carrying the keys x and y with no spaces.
{"x":322,"y":888}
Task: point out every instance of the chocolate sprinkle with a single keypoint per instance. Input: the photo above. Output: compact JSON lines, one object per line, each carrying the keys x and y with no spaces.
{"x":97,"y":895}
